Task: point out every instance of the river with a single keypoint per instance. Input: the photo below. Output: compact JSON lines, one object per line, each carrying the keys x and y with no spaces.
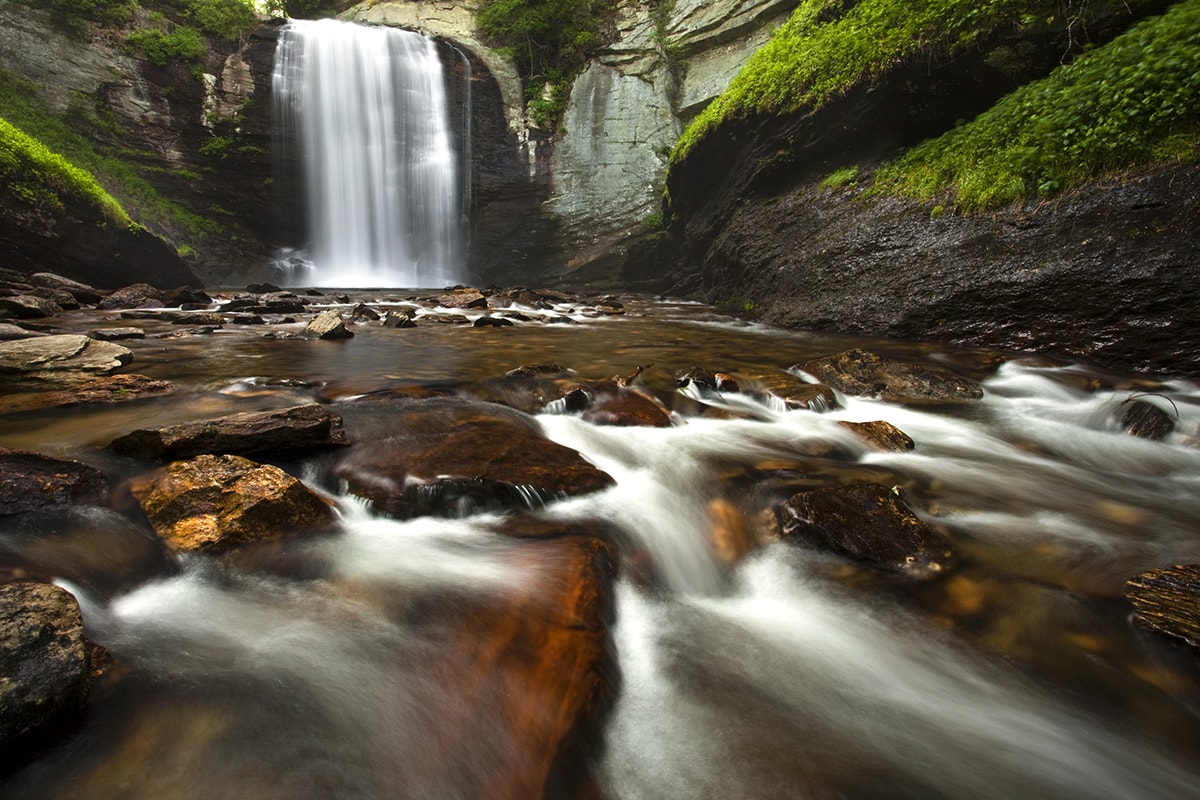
{"x":795,"y":673}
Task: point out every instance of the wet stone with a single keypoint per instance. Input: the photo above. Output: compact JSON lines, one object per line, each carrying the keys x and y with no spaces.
{"x":868,"y":522}
{"x":858,"y":372}
{"x":1167,"y":600}
{"x":454,"y":458}
{"x":327,"y":325}
{"x":880,"y":435}
{"x":30,"y":481}
{"x":117,"y":334}
{"x":28,"y":306}
{"x":1146,"y":420}
{"x":139,"y":295}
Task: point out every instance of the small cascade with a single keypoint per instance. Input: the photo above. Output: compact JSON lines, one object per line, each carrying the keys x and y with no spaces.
{"x":366,"y":110}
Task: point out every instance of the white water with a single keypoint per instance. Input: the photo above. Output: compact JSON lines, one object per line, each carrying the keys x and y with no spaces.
{"x":369,"y":108}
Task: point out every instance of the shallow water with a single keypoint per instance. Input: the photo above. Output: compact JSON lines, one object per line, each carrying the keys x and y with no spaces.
{"x":797,"y":673}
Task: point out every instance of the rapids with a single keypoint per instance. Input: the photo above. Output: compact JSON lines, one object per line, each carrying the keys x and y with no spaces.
{"x":794,"y":674}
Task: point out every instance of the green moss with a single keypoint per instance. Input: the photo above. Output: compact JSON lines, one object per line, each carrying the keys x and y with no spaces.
{"x":1134,"y":101}
{"x":180,"y":44}
{"x":846,"y":176}
{"x":825,"y":48}
{"x":37,"y":175}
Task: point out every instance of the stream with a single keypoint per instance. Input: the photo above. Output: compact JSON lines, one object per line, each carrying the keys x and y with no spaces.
{"x":794,"y":673}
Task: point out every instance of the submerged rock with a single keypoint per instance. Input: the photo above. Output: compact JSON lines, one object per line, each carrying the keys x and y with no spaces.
{"x":45,"y":665}
{"x":1146,"y":420}
{"x":880,"y":435}
{"x":279,"y":433}
{"x":62,"y":358}
{"x":109,"y":389}
{"x":214,"y":503}
{"x":1168,"y":601}
{"x":453,"y":458}
{"x":858,"y":372}
{"x":868,"y":522}
{"x":30,"y":481}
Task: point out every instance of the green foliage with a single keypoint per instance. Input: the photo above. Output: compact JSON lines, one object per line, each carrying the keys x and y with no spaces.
{"x":217,"y":147}
{"x":229,"y":19}
{"x":181,"y":44}
{"x":824,"y":49}
{"x":1135,"y":100}
{"x":653,"y":221}
{"x":39,"y":176}
{"x":549,"y":40}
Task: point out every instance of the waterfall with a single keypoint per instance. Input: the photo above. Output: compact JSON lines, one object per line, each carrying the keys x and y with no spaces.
{"x":366,"y":110}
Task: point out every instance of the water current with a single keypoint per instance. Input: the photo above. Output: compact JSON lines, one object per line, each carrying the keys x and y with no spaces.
{"x":795,"y":673}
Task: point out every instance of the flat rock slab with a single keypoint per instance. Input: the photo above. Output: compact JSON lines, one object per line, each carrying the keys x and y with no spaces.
{"x":107,"y":390}
{"x":868,"y":522}
{"x":45,"y":663}
{"x":858,"y":372}
{"x":1168,"y":601}
{"x":215,"y":503}
{"x":282,"y":433}
{"x":63,"y":358}
{"x":454,"y":458}
{"x":30,"y":481}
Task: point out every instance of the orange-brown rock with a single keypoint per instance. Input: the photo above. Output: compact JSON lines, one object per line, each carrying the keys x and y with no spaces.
{"x":611,"y":404}
{"x":728,"y":533}
{"x":881,"y":435}
{"x":213,"y":503}
{"x":453,"y":458}
{"x":533,"y":671}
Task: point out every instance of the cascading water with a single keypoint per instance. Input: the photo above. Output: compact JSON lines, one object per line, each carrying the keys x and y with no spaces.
{"x":367,"y":109}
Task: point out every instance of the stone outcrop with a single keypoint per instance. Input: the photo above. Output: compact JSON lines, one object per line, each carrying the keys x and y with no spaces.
{"x":455,"y":457}
{"x":215,"y":503}
{"x":45,"y":665}
{"x":281,"y":433}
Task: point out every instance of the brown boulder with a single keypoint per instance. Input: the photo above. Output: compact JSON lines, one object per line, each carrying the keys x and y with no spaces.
{"x":858,"y":372}
{"x":280,"y":433}
{"x":454,"y":458}
{"x":80,"y":291}
{"x":28,"y":306}
{"x":1146,"y":420}
{"x":106,"y":390}
{"x":868,"y":522}
{"x":1167,"y":600}
{"x":463,"y":298}
{"x":45,"y":664}
{"x":30,"y":481}
{"x":139,"y":295}
{"x":609,"y":404}
{"x":214,"y":503}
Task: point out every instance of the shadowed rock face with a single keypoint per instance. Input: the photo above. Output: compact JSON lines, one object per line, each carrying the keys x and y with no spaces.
{"x":45,"y":664}
{"x":451,"y":458}
{"x":30,"y":481}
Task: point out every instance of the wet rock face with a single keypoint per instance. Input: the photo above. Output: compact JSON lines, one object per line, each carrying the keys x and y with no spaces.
{"x":214,"y":503}
{"x":452,"y":458}
{"x":1168,"y":601}
{"x":30,"y":481}
{"x":282,"y":433}
{"x":45,"y":668}
{"x":859,"y":372}
{"x":868,"y":522}
{"x":63,"y":358}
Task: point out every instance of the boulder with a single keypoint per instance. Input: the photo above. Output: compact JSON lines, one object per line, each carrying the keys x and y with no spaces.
{"x":533,"y":665}
{"x":45,"y":665}
{"x":880,"y":435}
{"x":9,"y":332}
{"x":1167,"y":600}
{"x":28,"y":306}
{"x":327,"y":325}
{"x":215,"y":503}
{"x":1146,"y":420}
{"x":609,"y":404}
{"x":30,"y":481}
{"x":139,"y":295}
{"x":117,"y":334}
{"x":280,"y":433}
{"x":858,"y":372}
{"x":463,"y":298}
{"x":868,"y":522}
{"x":454,"y":458}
